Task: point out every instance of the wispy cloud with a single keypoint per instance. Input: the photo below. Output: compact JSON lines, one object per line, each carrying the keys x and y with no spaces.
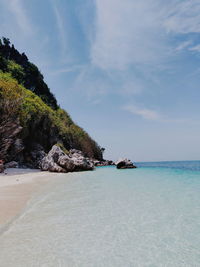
{"x":141,"y":32}
{"x":147,"y":114}
{"x":17,"y":8}
{"x":127,"y":32}
{"x":60,"y":26}
{"x":68,"y":69}
{"x":94,"y":84}
{"x":183,"y":45}
{"x":153,"y":115}
{"x":183,"y":17}
{"x":195,"y":48}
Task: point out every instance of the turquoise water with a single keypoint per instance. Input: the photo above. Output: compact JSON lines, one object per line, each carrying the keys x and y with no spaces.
{"x":148,"y":216}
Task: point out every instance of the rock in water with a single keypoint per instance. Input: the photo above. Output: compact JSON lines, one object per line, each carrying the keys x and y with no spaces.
{"x":58,"y":161}
{"x":125,"y":164}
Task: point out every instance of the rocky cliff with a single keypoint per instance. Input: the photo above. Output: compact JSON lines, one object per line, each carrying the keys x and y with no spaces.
{"x":31,"y":121}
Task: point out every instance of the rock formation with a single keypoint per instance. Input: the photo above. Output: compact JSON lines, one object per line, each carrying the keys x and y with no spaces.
{"x":1,"y":166}
{"x":101,"y":163}
{"x":125,"y":164}
{"x":31,"y":121}
{"x":10,"y":145}
{"x":58,"y":161}
{"x":12,"y":164}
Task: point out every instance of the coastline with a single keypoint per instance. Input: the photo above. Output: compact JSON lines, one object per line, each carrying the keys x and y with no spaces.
{"x":17,"y":187}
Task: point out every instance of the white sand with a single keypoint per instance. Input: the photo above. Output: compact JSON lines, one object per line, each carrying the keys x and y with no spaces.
{"x":16,"y":189}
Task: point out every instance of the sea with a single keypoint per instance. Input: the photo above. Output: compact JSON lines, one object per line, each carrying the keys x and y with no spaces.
{"x":149,"y":216}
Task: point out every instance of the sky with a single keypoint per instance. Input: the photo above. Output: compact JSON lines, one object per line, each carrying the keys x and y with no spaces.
{"x":128,"y":71}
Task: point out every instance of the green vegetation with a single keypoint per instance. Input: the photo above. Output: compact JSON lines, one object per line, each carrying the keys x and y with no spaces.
{"x":24,"y":72}
{"x":11,"y":97}
{"x":42,"y":122}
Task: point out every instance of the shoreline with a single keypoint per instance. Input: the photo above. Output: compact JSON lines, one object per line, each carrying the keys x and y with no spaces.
{"x":17,"y":187}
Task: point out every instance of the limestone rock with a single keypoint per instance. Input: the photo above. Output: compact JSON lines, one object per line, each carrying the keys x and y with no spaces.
{"x":67,"y":163}
{"x":125,"y":164}
{"x":76,"y":153}
{"x":49,"y":162}
{"x":58,"y":161}
{"x":82,"y":164}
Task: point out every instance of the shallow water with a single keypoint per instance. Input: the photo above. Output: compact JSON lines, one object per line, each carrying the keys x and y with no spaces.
{"x":148,"y":216}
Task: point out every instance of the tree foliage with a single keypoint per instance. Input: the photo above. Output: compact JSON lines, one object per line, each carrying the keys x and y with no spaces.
{"x":25,"y":72}
{"x":11,"y":97}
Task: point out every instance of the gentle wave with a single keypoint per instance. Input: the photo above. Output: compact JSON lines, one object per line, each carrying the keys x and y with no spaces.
{"x":183,"y":165}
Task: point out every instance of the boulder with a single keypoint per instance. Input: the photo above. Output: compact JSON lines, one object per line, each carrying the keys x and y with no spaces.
{"x":125,"y":164}
{"x":82,"y":164}
{"x":56,"y":152}
{"x":49,"y":162}
{"x":67,"y":163}
{"x":12,"y":164}
{"x":58,"y":161}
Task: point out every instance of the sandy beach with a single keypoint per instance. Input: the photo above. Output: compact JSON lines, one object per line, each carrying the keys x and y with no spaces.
{"x":17,"y":187}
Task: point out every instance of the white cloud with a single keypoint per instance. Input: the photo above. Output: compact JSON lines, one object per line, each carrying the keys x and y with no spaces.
{"x":195,"y":48}
{"x":184,"y":17}
{"x":127,"y":32}
{"x":153,"y":115}
{"x":68,"y":69}
{"x":61,"y":27}
{"x":141,"y":32}
{"x":17,"y":8}
{"x":183,"y":45}
{"x":145,"y":113}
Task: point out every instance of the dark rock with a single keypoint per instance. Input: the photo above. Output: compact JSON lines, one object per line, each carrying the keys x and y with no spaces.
{"x":9,"y":132}
{"x":17,"y":147}
{"x":103,"y":163}
{"x":1,"y":166}
{"x":36,"y":155}
{"x":12,"y":164}
{"x":125,"y":164}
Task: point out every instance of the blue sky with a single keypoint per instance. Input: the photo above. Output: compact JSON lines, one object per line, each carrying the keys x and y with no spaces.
{"x":127,"y":71}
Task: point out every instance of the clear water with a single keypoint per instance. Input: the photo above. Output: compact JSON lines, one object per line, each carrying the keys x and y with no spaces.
{"x":148,"y":216}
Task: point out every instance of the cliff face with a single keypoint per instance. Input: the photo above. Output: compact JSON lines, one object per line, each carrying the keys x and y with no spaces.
{"x":31,"y":122}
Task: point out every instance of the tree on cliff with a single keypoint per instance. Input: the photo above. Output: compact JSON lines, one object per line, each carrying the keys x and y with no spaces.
{"x":30,"y":116}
